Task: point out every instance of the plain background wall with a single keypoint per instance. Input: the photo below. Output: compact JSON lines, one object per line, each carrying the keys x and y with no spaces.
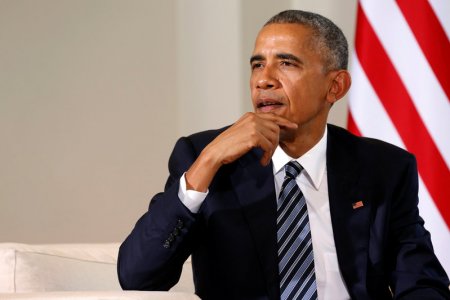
{"x":94,"y":93}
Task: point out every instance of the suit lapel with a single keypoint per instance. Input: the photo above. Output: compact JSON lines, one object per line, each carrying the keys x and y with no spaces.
{"x":350,"y":212}
{"x":255,"y":190}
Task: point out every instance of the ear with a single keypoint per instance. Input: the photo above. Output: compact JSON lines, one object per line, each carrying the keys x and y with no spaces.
{"x":340,"y":84}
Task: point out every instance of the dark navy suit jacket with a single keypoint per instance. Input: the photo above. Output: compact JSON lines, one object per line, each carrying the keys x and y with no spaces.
{"x":381,"y":246}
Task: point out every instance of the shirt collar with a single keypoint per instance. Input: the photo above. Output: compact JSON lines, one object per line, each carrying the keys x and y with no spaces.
{"x":313,"y":161}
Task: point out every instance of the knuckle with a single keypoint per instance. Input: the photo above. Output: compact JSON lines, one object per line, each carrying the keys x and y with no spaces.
{"x":253,"y":136}
{"x":249,"y":115}
{"x":253,"y":117}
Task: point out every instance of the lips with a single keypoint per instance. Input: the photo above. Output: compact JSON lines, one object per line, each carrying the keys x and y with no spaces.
{"x":266,"y":105}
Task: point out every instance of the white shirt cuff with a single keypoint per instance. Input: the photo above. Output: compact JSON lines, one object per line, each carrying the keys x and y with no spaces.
{"x":190,"y":198}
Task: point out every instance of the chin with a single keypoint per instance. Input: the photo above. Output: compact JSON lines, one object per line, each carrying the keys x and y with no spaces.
{"x":287,"y":135}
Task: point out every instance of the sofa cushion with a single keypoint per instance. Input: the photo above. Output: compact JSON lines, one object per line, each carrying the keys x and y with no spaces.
{"x":7,"y":269}
{"x":44,"y":272}
{"x":69,"y":267}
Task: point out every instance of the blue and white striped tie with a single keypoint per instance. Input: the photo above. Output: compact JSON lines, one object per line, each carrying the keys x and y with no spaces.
{"x":295,"y":252}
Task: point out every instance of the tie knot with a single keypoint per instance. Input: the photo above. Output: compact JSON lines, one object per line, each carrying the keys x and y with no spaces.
{"x":293,"y":168}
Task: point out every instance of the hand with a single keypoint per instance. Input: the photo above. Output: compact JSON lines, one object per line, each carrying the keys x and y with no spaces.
{"x":250,"y":131}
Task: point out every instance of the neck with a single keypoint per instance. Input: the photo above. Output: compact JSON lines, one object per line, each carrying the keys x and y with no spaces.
{"x":297,"y":143}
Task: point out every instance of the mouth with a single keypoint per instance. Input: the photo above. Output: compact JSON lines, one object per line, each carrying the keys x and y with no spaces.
{"x":268,"y":105}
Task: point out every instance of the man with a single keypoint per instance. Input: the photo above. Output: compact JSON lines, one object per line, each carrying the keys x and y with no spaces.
{"x":231,"y":203}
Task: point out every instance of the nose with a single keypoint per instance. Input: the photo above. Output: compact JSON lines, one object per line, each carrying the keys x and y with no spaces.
{"x":267,"y":79}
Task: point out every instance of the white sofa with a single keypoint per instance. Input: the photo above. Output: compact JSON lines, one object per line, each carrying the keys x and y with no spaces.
{"x":73,"y":271}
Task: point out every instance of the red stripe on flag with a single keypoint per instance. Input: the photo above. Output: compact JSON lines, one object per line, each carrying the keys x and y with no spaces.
{"x":351,"y":125}
{"x":398,"y":104}
{"x":431,"y":37}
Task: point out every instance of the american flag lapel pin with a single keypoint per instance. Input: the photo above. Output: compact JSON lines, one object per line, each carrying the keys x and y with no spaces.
{"x":357,"y":204}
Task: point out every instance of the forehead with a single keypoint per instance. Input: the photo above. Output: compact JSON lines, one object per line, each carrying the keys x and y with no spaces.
{"x":283,"y":37}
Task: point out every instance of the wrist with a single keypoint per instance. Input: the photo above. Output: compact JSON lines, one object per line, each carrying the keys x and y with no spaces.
{"x":202,"y":172}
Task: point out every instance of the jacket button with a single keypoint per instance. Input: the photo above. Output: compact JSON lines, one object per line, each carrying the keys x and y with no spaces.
{"x":166,"y":244}
{"x":180,"y":224}
{"x":171,"y":238}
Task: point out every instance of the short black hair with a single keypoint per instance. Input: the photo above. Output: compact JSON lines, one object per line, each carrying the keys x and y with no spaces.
{"x":327,"y":36}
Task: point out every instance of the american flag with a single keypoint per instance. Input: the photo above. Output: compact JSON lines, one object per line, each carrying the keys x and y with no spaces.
{"x":401,"y":92}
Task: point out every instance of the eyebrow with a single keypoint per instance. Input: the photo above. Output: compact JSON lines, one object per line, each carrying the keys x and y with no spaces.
{"x":287,"y":56}
{"x":256,"y":57}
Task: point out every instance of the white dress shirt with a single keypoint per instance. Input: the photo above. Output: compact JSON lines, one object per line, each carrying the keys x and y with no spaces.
{"x":314,"y":185}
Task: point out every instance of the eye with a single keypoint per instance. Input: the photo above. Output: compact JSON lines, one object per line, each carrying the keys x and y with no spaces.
{"x":287,"y":63}
{"x":256,"y":65}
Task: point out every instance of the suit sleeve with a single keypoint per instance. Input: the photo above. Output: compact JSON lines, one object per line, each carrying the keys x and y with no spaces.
{"x":152,"y":256}
{"x":417,"y":273}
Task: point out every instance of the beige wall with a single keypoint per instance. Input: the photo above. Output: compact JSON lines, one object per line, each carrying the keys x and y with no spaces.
{"x":87,"y":106}
{"x":94,"y":93}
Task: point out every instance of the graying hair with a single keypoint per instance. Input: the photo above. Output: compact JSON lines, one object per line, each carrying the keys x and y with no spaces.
{"x":327,"y":36}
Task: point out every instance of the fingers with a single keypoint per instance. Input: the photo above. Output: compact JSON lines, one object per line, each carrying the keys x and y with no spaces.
{"x":268,"y":145}
{"x":265,"y":131}
{"x":280,"y":121}
{"x":250,"y":131}
{"x":265,"y":159}
{"x":267,"y":121}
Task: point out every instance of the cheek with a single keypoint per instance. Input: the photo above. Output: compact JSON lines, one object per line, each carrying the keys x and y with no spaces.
{"x":252,"y":84}
{"x":294,"y":91}
{"x":292,"y":84}
{"x":254,"y":76}
{"x":253,"y":96}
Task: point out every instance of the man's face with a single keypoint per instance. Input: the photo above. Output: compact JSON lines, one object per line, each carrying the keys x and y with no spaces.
{"x":288,"y":76}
